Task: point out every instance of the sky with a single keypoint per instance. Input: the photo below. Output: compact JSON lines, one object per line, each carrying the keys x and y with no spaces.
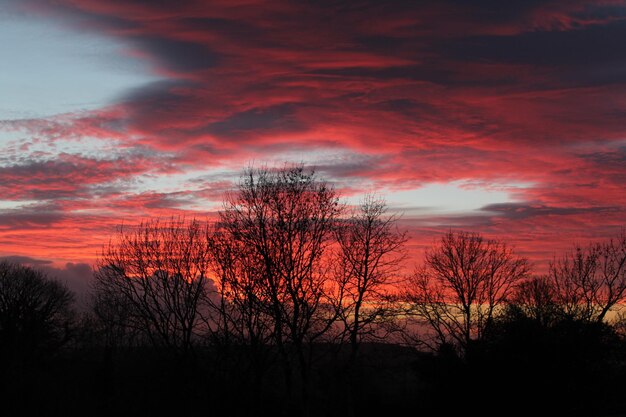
{"x":502,"y":117}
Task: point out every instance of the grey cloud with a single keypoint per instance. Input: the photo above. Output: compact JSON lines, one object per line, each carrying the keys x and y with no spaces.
{"x":33,"y":216}
{"x":518,"y":211}
{"x":179,"y":55}
{"x":78,"y":277}
{"x":280,"y":117}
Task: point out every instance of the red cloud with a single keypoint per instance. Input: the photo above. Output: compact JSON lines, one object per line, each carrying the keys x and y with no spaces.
{"x":482,"y":92}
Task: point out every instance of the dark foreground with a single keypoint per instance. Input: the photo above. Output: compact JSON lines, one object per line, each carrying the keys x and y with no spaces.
{"x":522,"y":369}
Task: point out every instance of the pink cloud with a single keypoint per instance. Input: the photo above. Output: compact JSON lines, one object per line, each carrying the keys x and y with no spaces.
{"x":528,"y":92}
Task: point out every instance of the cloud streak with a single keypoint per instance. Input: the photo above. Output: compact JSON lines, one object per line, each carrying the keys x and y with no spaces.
{"x":403,"y":94}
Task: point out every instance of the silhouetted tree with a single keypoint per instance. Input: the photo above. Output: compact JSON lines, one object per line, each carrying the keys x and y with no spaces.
{"x":110,"y":316}
{"x":284,"y":220}
{"x":591,"y":281}
{"x":464,"y":280}
{"x":35,"y":312}
{"x":619,"y":324}
{"x":156,"y":274}
{"x":564,"y":357}
{"x":536,"y":299}
{"x":371,"y":253}
{"x":239,"y":310}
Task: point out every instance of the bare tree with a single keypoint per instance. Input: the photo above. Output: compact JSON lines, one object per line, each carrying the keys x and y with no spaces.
{"x":238,"y":310}
{"x":591,"y":281}
{"x":109,"y":318}
{"x":536,"y":298}
{"x":463,"y":282}
{"x":284,"y":219}
{"x":371,"y":253}
{"x":158,"y":273}
{"x":35,"y":312}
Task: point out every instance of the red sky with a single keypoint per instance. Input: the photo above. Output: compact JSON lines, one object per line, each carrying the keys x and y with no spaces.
{"x":504,"y":117}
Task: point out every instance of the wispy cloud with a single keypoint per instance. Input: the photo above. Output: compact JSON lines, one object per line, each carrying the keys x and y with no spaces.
{"x":401,"y":94}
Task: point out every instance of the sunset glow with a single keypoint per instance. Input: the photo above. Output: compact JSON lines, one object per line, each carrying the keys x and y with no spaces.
{"x":500,"y":117}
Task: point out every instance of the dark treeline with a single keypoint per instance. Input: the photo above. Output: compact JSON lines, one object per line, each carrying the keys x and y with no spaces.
{"x":292,"y":304}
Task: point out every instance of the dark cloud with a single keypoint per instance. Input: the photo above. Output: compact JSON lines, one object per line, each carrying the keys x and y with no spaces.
{"x":26,"y":260}
{"x":280,"y":117}
{"x":162,"y":93}
{"x":593,"y":45}
{"x":231,"y":28}
{"x":516,"y":211}
{"x":497,"y":10}
{"x":601,"y":12}
{"x":160,"y":103}
{"x":178,"y":55}
{"x":406,"y":106}
{"x":32,"y":216}
{"x":164,"y":200}
{"x":408,"y":72}
{"x":609,"y":158}
{"x":77,"y":277}
{"x":590,"y":55}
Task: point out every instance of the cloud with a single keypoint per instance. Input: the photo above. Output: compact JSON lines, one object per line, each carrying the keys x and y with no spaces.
{"x":68,"y":176}
{"x":590,"y":55}
{"x":393,"y":94}
{"x":177,"y":55}
{"x":31,"y":216}
{"x":280,"y":117}
{"x":77,"y":277}
{"x":26,"y":260}
{"x":522,"y":211}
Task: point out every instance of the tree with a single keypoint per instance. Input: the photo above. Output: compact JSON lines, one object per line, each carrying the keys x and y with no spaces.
{"x":464,"y":280}
{"x":371,"y":253}
{"x":563,"y":358}
{"x":284,"y":220}
{"x":35,"y":312}
{"x":157,"y":274}
{"x":536,"y":299}
{"x":238,"y":309}
{"x":591,"y":281}
{"x":109,"y":319}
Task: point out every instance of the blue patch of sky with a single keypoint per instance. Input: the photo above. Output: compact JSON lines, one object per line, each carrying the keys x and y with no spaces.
{"x":48,"y":69}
